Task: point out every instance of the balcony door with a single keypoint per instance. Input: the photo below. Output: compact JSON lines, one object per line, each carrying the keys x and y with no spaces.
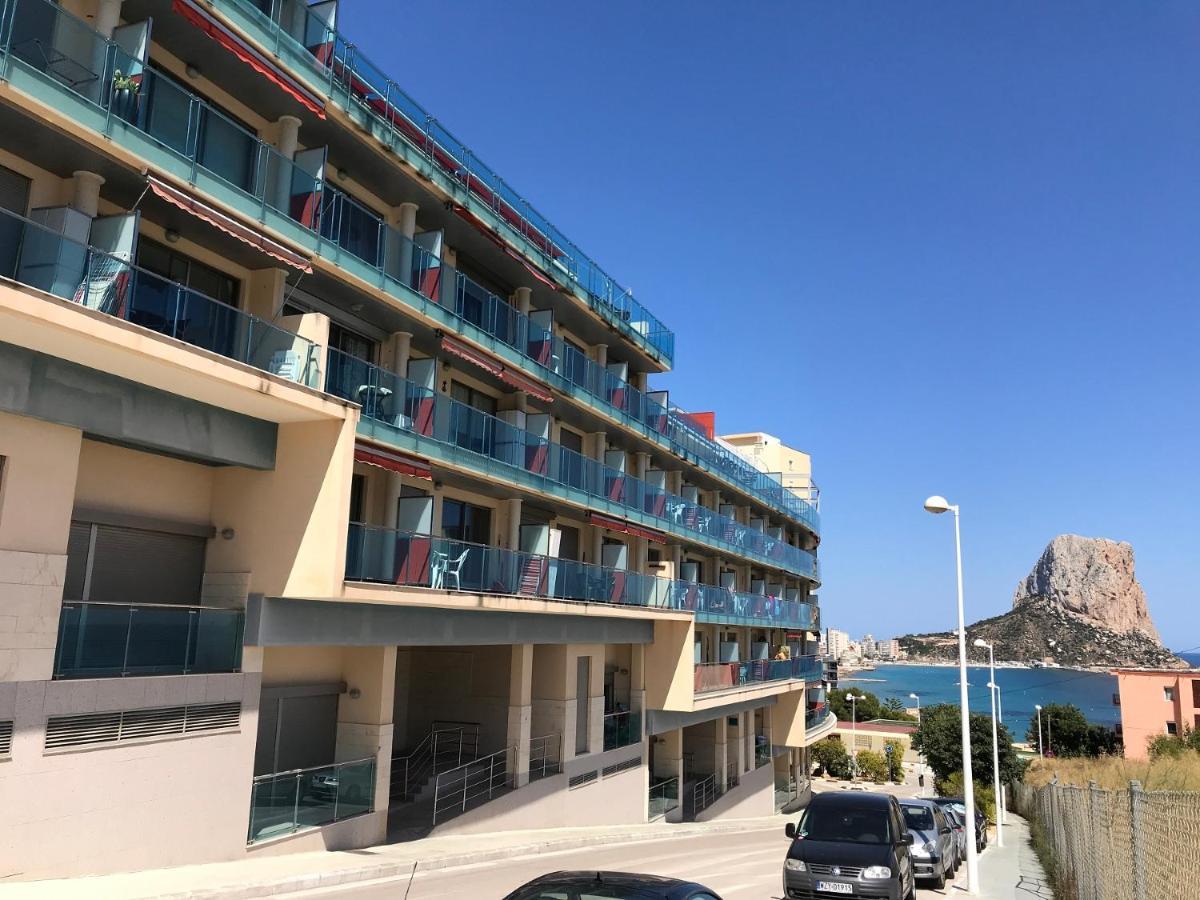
{"x":14,"y":198}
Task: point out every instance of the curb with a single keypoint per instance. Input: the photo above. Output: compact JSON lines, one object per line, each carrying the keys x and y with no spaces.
{"x":297,"y":883}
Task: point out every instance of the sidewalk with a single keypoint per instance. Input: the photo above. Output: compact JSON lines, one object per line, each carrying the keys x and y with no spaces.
{"x":1011,"y":872}
{"x":277,"y":875}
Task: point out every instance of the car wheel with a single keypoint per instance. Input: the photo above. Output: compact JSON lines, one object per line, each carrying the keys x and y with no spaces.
{"x":939,"y":880}
{"x":912,"y":887}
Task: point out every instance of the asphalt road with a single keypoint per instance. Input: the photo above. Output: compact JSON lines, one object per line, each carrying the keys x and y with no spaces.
{"x":741,"y":866}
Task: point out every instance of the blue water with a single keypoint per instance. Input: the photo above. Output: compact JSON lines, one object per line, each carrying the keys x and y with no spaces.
{"x":1020,"y":690}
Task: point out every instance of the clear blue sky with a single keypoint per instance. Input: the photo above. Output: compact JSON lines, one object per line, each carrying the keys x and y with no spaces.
{"x":946,"y":247}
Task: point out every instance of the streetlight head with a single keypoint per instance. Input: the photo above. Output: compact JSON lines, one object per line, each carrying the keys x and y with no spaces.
{"x":914,"y":696}
{"x":1037,"y":706}
{"x":980,"y":642}
{"x":937,"y":504}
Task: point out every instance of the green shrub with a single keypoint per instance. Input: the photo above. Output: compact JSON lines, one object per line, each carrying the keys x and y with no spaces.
{"x":872,"y":766}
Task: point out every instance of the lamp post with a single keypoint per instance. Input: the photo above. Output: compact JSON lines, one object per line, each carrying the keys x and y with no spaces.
{"x":938,"y":505}
{"x":991,"y":649}
{"x":853,"y":698}
{"x":1000,"y":719}
{"x":917,"y":697}
{"x":1041,"y":752}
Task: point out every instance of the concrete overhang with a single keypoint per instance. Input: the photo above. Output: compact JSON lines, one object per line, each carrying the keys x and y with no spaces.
{"x":661,"y":720}
{"x":289,"y":622}
{"x":59,"y":328}
{"x":748,"y":692}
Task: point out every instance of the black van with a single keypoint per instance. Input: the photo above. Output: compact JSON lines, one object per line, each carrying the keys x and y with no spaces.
{"x":850,"y":844}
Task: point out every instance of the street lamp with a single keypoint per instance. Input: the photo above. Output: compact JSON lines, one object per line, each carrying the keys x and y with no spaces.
{"x":917,"y":697}
{"x":991,"y":649}
{"x":1041,"y":752}
{"x":938,"y":505}
{"x":854,"y":733}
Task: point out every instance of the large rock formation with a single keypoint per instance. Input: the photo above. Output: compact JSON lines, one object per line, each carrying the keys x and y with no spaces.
{"x":1092,"y":578}
{"x":1080,"y":606}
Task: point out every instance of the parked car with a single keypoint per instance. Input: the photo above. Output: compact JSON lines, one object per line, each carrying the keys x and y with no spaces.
{"x":960,"y":807}
{"x":935,"y":847}
{"x":617,"y":885}
{"x":957,"y":823}
{"x":850,"y":843}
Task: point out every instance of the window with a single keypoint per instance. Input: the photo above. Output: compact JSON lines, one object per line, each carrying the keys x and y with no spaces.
{"x":1169,"y":694}
{"x":464,"y":393}
{"x":351,"y":343}
{"x":172,"y":265}
{"x":115,"y":564}
{"x":1172,"y":728}
{"x":465,"y":522}
{"x":14,"y":197}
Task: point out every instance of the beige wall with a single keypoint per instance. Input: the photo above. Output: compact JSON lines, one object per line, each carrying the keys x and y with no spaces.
{"x":754,"y":796}
{"x":116,"y":479}
{"x":670,"y":679}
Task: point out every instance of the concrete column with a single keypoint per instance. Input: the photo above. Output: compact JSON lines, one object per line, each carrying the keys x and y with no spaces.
{"x":599,"y":445}
{"x":596,"y":701}
{"x":405,"y":218}
{"x":676,"y":559}
{"x":721,"y":749}
{"x":85,"y":195}
{"x":520,"y":712}
{"x":108,"y":16}
{"x":643,"y":464}
{"x":748,"y":734}
{"x":287,"y":141}
{"x":398,"y":350}
{"x":523,"y":300}
{"x":601,"y":351}
{"x":637,"y":685}
{"x":364,"y":717}
{"x":675,"y":482}
{"x":740,"y":744}
{"x":597,"y":544}
{"x":514,"y":523}
{"x":668,"y":763}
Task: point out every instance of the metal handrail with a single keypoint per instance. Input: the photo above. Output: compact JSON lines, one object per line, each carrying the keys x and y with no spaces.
{"x":456,"y":788}
{"x":337,"y":765}
{"x":544,"y":755}
{"x":704,"y":793}
{"x":414,"y":768}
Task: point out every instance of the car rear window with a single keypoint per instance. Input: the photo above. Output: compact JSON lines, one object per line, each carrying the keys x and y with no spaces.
{"x":918,"y":818}
{"x":850,"y":826}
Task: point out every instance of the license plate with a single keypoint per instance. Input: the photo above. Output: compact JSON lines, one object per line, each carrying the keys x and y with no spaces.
{"x":835,"y":887}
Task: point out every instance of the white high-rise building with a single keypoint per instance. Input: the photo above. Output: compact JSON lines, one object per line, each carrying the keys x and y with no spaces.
{"x":836,"y":642}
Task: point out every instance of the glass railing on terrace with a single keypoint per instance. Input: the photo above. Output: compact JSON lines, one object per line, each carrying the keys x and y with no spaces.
{"x":285,"y":802}
{"x":41,"y":258}
{"x":500,"y":448}
{"x":186,"y":127}
{"x":723,"y":676}
{"x":351,"y":80}
{"x":622,"y":729}
{"x":102,"y":640}
{"x":388,"y":556}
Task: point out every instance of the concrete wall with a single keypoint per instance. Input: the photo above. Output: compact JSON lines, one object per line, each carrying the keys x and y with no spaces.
{"x":754,"y":796}
{"x":1145,"y":709}
{"x":143,"y":484}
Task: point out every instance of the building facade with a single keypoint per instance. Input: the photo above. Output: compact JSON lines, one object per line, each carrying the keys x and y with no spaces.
{"x":792,"y":467}
{"x":335,"y":503}
{"x":1156,"y":702}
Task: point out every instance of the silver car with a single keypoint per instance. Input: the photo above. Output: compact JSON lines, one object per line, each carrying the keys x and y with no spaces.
{"x":934,"y":847}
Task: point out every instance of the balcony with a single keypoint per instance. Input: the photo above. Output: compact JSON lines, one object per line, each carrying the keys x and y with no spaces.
{"x":43,"y":259}
{"x":727,"y":676}
{"x":387,"y":556}
{"x":818,"y":722}
{"x":399,"y":412}
{"x":621,"y":729}
{"x":179,"y":133}
{"x":107,"y":640}
{"x":286,"y":802}
{"x":338,"y":71}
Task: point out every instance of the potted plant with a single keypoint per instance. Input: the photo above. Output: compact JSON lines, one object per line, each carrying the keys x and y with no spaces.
{"x":124,"y":95}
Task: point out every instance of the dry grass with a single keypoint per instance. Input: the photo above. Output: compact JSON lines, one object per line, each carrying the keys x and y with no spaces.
{"x":1115,"y":772}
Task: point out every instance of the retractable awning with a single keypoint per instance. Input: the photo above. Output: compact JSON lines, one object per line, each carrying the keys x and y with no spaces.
{"x":497,"y":368}
{"x":230,"y":226}
{"x":220,"y":33}
{"x":627,"y":528}
{"x":392,"y":461}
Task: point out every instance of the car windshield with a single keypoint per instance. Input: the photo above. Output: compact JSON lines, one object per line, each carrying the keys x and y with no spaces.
{"x":849,"y":826}
{"x":918,"y":818}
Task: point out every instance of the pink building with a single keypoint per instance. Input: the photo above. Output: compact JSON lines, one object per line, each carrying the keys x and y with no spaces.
{"x":1154,"y":702}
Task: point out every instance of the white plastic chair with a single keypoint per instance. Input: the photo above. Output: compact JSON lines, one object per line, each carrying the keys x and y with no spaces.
{"x":453,"y":568}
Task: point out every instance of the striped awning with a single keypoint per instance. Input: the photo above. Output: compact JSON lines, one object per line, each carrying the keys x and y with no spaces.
{"x":497,"y":368}
{"x":627,"y":528}
{"x":227,"y":224}
{"x":394,"y":462}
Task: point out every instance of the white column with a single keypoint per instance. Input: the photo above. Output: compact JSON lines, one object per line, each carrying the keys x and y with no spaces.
{"x":721,"y":750}
{"x":514,"y":523}
{"x":523,"y":300}
{"x":108,"y":16}
{"x":401,"y":351}
{"x":520,"y":712}
{"x":86,"y":192}
{"x":601,"y":354}
{"x":287,"y":140}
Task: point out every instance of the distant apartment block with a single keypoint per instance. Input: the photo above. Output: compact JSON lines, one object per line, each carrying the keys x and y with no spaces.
{"x":792,"y":467}
{"x":1155,"y":702}
{"x":837,"y":642}
{"x":341,"y":497}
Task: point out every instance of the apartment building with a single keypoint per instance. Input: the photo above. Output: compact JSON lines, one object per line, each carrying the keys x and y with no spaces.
{"x":335,"y":502}
{"x":1155,"y":702}
{"x":837,"y":642}
{"x":792,"y":467}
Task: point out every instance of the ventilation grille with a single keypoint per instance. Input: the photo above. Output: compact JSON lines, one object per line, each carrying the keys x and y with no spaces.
{"x":582,"y":778}
{"x":5,"y":733}
{"x":64,"y":732}
{"x":631,"y":763}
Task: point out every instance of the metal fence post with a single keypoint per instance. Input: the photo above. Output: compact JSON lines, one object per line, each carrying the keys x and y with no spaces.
{"x":1137,"y":831}
{"x":1093,"y":836}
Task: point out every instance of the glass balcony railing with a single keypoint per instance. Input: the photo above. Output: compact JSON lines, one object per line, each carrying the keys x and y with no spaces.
{"x":185,"y":136}
{"x":817,"y":716}
{"x":103,"y":640}
{"x":285,"y":802}
{"x":622,"y":729}
{"x":388,"y":556}
{"x":44,"y":259}
{"x":662,"y":797}
{"x":724,"y":676}
{"x":399,"y":412}
{"x":337,"y":70}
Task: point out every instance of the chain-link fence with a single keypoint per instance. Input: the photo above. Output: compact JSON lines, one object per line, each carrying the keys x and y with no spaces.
{"x":1118,"y":845}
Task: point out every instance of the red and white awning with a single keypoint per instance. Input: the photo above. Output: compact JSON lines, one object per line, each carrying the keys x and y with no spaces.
{"x":627,"y":528}
{"x":227,"y":224}
{"x":394,"y":462}
{"x":497,"y":368}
